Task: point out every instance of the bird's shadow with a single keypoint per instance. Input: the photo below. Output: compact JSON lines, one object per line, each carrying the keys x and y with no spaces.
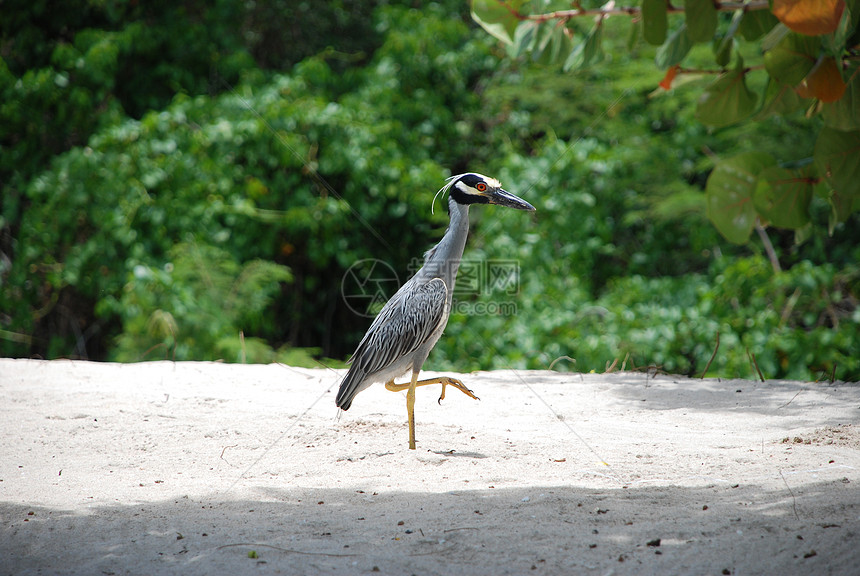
{"x":460,"y":454}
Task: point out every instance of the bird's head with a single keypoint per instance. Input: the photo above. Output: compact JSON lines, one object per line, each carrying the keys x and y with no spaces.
{"x":472,"y":188}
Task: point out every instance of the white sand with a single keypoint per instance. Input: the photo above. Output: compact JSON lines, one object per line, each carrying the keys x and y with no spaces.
{"x":163,"y":468}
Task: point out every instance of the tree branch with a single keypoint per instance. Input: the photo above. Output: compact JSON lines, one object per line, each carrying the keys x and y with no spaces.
{"x":716,"y":71}
{"x":768,"y":247}
{"x":610,"y":9}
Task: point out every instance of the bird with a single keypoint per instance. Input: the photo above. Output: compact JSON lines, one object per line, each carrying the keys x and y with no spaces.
{"x":407,"y":328}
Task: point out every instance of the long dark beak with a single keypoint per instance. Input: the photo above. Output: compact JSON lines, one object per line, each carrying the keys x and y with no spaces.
{"x":504,"y":198}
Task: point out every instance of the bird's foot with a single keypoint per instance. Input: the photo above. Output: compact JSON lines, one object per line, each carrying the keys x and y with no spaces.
{"x":443,"y":380}
{"x":447,"y":381}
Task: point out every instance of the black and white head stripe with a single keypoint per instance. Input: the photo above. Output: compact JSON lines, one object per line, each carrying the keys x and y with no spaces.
{"x":469,"y":188}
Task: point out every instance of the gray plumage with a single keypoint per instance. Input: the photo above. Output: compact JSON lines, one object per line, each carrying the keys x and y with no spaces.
{"x":409,"y":325}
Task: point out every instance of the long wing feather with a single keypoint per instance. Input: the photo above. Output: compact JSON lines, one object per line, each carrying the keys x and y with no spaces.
{"x":404,"y":324}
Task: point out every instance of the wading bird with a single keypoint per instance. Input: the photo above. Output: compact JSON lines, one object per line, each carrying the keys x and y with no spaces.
{"x":409,"y":325}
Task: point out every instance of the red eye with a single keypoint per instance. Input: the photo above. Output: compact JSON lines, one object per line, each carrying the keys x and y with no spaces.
{"x":481,"y":187}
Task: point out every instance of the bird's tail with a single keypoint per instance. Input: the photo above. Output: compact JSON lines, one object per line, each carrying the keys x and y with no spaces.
{"x":349,"y":388}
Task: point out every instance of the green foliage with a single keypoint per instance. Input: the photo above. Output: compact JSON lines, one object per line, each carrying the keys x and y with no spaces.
{"x":72,"y":68}
{"x":728,"y":100}
{"x":730,"y":192}
{"x":277,"y":171}
{"x":701,"y":20}
{"x":496,"y":18}
{"x":809,"y":61}
{"x":208,"y":208}
{"x":673,"y":323}
{"x":791,"y":59}
{"x":836,"y":155}
{"x":655,"y":21}
{"x":62,"y":81}
{"x":599,"y":288}
{"x":801,"y":324}
{"x":782,"y":196}
{"x":196,"y":305}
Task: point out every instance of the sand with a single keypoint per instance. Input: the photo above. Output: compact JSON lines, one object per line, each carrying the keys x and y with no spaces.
{"x":208,"y":468}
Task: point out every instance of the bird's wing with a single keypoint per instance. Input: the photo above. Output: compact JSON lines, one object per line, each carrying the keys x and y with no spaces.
{"x":404,"y":324}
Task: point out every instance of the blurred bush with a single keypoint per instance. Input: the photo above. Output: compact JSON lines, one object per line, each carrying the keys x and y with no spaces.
{"x":197,"y":307}
{"x":306,"y":170}
{"x":605,"y":289}
{"x":161,"y":216}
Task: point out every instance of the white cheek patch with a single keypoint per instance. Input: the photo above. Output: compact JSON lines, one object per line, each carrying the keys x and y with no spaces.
{"x":469,"y":191}
{"x":454,"y":181}
{"x":462,"y":187}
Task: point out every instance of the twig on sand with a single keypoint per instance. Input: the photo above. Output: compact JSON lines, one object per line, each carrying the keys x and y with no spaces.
{"x":793,"y":499}
{"x":790,"y":401}
{"x":714,"y":355}
{"x":751,"y":356}
{"x":279,"y":549}
{"x":224,"y":450}
{"x":568,"y":358}
{"x":612,"y":367}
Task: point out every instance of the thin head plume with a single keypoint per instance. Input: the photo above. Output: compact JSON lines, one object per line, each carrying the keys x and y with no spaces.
{"x":449,"y":181}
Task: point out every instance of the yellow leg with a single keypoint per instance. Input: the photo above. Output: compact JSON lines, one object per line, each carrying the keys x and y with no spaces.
{"x":443,"y":380}
{"x":410,"y":409}
{"x":410,"y":396}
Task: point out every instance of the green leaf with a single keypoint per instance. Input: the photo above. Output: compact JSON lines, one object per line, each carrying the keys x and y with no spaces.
{"x":841,"y":207}
{"x":803,"y":234}
{"x":854,"y":9}
{"x":723,"y":44}
{"x":561,"y":44}
{"x":782,"y":196}
{"x":757,"y":23}
{"x":552,"y":46}
{"x":723,"y":51}
{"x":655,"y":22}
{"x":496,"y":18}
{"x":524,"y":38}
{"x":836,"y":155}
{"x":836,"y":42}
{"x":792,"y":58}
{"x":701,"y":18}
{"x":729,"y":193}
{"x":844,"y":114}
{"x":632,"y":37}
{"x":588,"y":52}
{"x":774,"y":37}
{"x":674,"y":50}
{"x":779,"y":99}
{"x":543,"y":38}
{"x":727,"y":100}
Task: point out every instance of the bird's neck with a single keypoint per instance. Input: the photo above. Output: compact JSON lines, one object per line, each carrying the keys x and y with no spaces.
{"x":444,"y":260}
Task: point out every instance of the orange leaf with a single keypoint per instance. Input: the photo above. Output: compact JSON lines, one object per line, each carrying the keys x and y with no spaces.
{"x":810,"y":17}
{"x":666,"y":82}
{"x":823,"y":82}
